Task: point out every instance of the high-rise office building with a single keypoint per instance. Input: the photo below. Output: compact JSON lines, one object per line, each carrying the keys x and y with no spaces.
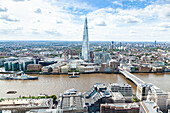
{"x":85,"y":45}
{"x":112,"y":45}
{"x":155,"y":43}
{"x":120,"y":45}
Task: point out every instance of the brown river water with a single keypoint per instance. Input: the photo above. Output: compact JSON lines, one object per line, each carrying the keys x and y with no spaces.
{"x":56,"y":84}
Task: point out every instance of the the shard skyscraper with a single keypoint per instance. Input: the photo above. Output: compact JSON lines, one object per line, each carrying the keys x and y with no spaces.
{"x":85,"y":45}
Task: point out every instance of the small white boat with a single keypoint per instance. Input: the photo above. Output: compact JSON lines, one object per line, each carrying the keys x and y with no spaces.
{"x":75,"y":73}
{"x":74,"y":76}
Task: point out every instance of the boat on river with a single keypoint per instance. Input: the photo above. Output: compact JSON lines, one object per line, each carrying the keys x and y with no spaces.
{"x":75,"y":73}
{"x":15,"y":77}
{"x":73,"y":76}
{"x":11,"y":92}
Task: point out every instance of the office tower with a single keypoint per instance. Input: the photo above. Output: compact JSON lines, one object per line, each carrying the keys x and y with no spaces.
{"x":101,"y":57}
{"x":112,"y":45}
{"x":143,"y":45}
{"x":85,"y":45}
{"x":120,"y":45}
{"x":155,"y":43}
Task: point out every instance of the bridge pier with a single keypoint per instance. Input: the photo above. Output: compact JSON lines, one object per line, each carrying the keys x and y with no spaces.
{"x":142,"y":87}
{"x":142,"y":91}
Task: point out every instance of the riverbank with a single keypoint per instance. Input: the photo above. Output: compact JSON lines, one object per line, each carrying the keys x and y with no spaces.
{"x":51,"y":73}
{"x":47,"y":73}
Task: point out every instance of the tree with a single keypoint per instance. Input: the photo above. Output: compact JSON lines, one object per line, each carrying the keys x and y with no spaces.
{"x":54,"y":98}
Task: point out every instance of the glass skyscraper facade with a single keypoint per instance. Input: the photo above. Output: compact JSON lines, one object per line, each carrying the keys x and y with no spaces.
{"x":85,"y":45}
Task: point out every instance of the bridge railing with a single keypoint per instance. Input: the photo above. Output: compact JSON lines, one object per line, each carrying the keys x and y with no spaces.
{"x":135,"y":79}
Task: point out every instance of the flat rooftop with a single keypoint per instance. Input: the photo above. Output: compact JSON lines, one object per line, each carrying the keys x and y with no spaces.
{"x":121,"y":85}
{"x":117,"y":96}
{"x":26,"y":103}
{"x":123,"y":105}
{"x":150,"y":106}
{"x":72,"y":102}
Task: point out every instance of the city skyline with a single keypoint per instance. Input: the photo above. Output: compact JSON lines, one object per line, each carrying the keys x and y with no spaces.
{"x":111,"y":20}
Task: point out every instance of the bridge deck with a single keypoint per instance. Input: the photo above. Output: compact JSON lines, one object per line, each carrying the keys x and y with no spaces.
{"x":132,"y":77}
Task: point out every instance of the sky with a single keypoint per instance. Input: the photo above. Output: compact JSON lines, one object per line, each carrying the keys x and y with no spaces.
{"x":108,"y":20}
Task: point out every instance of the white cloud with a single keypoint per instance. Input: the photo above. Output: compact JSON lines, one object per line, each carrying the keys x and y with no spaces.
{"x":18,"y":0}
{"x":117,"y":3}
{"x":75,"y":4}
{"x":164,"y":25}
{"x":99,"y":22}
{"x":121,"y":23}
{"x":11,"y":31}
{"x":9,"y":18}
{"x":3,"y":9}
{"x":52,"y":21}
{"x":162,"y":11}
{"x":52,"y":32}
{"x":132,"y":20}
{"x":38,"y":10}
{"x":57,"y":22}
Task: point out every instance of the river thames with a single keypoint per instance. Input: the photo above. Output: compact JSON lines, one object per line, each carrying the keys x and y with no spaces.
{"x":56,"y":84}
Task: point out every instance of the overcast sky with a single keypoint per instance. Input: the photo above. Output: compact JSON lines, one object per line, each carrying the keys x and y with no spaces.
{"x":108,"y":20}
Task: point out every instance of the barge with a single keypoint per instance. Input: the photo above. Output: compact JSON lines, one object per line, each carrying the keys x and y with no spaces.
{"x":15,"y":77}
